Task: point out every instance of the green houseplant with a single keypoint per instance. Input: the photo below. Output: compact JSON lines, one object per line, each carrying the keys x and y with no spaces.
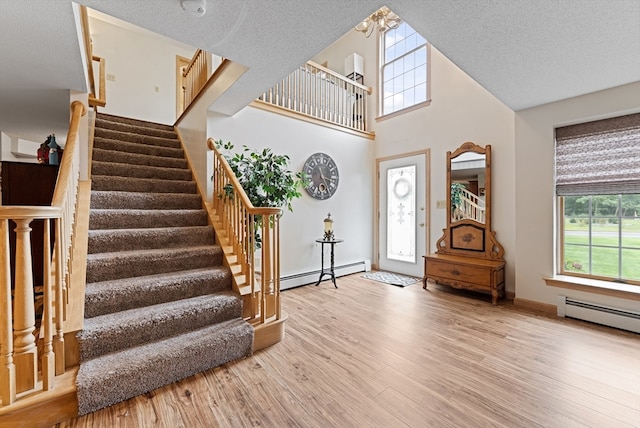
{"x":264,"y":176}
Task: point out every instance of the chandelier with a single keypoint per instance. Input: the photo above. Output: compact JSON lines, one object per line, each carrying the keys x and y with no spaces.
{"x":382,"y":18}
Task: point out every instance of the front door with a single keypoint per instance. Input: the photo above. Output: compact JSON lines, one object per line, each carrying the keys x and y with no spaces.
{"x":402,"y":212}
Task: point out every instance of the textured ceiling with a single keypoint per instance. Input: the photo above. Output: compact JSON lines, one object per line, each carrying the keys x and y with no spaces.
{"x":524,"y":52}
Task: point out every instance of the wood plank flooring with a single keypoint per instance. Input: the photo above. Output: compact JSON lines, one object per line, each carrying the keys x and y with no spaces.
{"x":375,"y":355}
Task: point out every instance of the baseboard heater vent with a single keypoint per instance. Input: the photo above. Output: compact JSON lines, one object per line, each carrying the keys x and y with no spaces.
{"x":613,"y":317}
{"x":295,"y":280}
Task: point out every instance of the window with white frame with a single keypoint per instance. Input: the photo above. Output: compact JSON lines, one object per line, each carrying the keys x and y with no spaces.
{"x":404,"y":69}
{"x":598,"y":190}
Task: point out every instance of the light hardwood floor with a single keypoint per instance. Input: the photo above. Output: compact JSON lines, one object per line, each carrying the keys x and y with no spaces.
{"x":375,"y":355}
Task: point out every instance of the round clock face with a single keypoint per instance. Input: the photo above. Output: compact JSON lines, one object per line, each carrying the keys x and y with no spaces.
{"x":323,"y":174}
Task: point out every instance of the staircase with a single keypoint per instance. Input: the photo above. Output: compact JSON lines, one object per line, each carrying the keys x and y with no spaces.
{"x":159,"y":304}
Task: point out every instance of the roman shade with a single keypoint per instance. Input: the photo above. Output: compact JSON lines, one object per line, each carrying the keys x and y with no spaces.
{"x":599,"y":158}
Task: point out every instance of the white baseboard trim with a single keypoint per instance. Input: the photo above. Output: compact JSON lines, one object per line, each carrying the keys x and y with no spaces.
{"x":311,"y":277}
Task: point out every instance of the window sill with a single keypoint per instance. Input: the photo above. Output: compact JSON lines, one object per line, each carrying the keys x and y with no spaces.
{"x":614,"y":289}
{"x":403,"y":111}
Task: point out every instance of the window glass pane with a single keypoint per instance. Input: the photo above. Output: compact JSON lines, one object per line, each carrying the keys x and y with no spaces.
{"x":409,"y":97}
{"x":421,"y":74}
{"x":576,"y":258}
{"x":398,"y":84}
{"x":387,"y":105}
{"x":408,"y":79}
{"x":388,"y":89}
{"x":398,"y":67}
{"x":388,"y":72}
{"x":409,"y":61}
{"x":604,"y":261}
{"x":631,"y":232}
{"x":420,"y":93}
{"x":398,"y":103}
{"x":390,"y":54}
{"x":631,"y":264}
{"x":420,"y":39}
{"x":411,"y":42}
{"x":401,"y":218}
{"x":604,"y":231}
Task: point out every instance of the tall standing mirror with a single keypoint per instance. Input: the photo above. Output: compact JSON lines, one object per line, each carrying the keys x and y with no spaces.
{"x":468,"y":254}
{"x":468,"y":231}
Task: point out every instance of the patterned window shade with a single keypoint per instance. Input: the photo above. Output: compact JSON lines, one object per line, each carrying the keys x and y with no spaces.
{"x":599,"y":158}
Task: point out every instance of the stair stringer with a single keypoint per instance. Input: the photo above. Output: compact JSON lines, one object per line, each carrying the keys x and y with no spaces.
{"x":266,"y":334}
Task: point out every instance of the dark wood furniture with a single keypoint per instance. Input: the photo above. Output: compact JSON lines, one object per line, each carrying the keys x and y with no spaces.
{"x":323,"y":271}
{"x":468,"y":256}
{"x":29,"y":184}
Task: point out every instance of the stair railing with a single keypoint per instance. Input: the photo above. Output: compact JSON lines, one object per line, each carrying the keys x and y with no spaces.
{"x":315,"y":91}
{"x":471,"y":207}
{"x":195,"y":76}
{"x":20,"y":370}
{"x":258,"y":270}
{"x":96,"y":98}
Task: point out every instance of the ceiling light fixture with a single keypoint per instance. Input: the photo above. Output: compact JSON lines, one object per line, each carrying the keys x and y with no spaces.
{"x":382,"y":18}
{"x":194,"y":7}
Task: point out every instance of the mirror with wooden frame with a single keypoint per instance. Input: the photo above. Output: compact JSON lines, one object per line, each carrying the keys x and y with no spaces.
{"x":468,"y":231}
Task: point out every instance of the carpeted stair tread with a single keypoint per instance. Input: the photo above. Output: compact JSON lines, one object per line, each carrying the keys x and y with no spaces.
{"x":159,"y":303}
{"x":140,"y":171}
{"x":136,"y":219}
{"x":144,"y":149}
{"x":128,"y":293}
{"x":153,"y":185}
{"x":144,"y":201}
{"x":135,"y":327}
{"x":133,"y":129}
{"x":111,"y":240}
{"x":134,"y":122}
{"x":107,"y":155}
{"x":119,"y":376}
{"x":128,"y":264}
{"x":113,"y":134}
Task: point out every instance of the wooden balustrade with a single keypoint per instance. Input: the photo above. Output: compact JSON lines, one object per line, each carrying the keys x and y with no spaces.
{"x":238,"y":220}
{"x":471,"y":207}
{"x":20,"y":370}
{"x":96,"y":98}
{"x":316,"y":91}
{"x":195,"y":76}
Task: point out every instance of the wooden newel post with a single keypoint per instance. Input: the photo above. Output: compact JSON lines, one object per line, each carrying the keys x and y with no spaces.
{"x":7,"y":367}
{"x":25,"y":351}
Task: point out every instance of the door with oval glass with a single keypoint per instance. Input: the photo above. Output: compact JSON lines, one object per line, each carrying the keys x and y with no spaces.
{"x":402,"y":213}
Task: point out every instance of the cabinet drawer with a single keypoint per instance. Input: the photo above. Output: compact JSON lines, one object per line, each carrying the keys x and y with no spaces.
{"x":472,"y":274}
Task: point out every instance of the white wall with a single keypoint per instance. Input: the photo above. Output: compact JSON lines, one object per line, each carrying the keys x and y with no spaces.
{"x":535,"y":195}
{"x":460,"y":110}
{"x":15,"y":149}
{"x":133,"y":93}
{"x":350,"y":206}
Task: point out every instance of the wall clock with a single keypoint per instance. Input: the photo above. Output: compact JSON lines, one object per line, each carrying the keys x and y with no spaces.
{"x":323,"y":175}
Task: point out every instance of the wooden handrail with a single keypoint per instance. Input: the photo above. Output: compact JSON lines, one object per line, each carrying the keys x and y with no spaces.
{"x":99,"y":100}
{"x":196,"y":75}
{"x":258,"y":275}
{"x":18,"y":348}
{"x":339,"y":76}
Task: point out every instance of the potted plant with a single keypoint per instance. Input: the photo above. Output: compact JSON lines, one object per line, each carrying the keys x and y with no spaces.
{"x":265,"y":177}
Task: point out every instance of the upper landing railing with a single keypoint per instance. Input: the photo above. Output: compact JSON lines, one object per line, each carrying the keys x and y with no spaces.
{"x":320,"y":93}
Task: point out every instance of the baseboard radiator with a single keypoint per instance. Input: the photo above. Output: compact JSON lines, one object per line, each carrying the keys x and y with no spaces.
{"x":623,"y":319}
{"x":311,"y":277}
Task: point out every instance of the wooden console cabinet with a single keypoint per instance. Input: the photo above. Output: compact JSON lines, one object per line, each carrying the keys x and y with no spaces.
{"x":468,"y":255}
{"x":486,"y":276}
